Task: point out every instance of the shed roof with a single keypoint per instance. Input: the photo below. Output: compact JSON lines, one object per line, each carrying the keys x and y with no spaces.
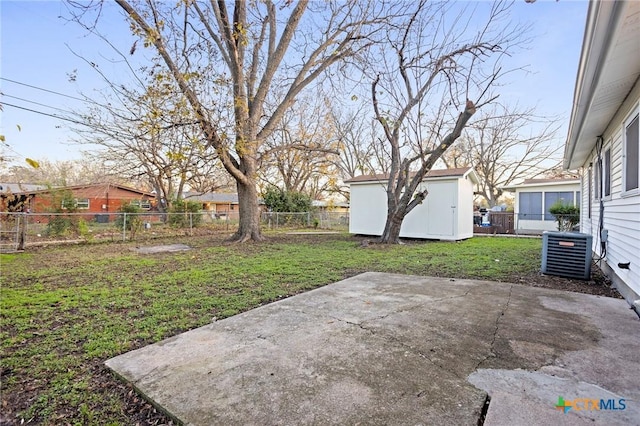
{"x":439,"y":173}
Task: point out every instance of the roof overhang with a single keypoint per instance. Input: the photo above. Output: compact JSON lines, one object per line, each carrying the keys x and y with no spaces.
{"x":609,"y":68}
{"x":437,"y":174}
{"x":512,"y":188}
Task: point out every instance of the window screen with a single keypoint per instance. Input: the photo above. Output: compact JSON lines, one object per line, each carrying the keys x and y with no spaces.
{"x":631,"y":155}
{"x":550,"y":198}
{"x":530,"y":206}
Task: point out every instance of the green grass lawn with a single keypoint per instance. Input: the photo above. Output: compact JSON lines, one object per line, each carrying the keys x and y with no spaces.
{"x":67,"y":309}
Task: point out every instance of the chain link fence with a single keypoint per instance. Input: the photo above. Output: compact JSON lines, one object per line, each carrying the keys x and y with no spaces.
{"x":18,"y":230}
{"x":318,"y":220}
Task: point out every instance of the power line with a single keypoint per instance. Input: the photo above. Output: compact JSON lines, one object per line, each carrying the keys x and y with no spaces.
{"x":44,"y":113}
{"x":36,"y":103}
{"x":86,"y":99}
{"x":43,"y":89}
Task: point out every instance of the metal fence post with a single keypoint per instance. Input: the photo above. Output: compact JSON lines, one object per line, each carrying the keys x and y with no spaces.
{"x":190,"y":223}
{"x":22,"y":230}
{"x":124,"y":227}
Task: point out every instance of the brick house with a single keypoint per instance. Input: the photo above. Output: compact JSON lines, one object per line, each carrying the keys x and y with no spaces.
{"x":97,"y":198}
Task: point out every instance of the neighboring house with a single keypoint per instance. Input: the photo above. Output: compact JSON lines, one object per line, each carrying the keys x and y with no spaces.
{"x":14,"y":197}
{"x":91,"y":198}
{"x":13,"y":188}
{"x":445,"y":214}
{"x":330,"y":206}
{"x":218,"y":204}
{"x":603,"y":140}
{"x":534,"y":197}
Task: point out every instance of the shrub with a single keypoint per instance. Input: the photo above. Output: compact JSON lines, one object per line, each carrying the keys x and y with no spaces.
{"x":133,"y":221}
{"x":59,"y":226}
{"x":184,"y":214}
{"x":62,"y":202}
{"x":567,"y":215}
{"x":278,"y":200}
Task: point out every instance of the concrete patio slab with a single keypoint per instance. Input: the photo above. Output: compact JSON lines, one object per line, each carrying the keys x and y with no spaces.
{"x":394,"y":349}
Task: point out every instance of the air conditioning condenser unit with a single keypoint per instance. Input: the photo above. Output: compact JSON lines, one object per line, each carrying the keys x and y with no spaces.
{"x":567,"y":254}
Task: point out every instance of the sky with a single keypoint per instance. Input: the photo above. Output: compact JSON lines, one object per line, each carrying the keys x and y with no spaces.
{"x":37,"y":45}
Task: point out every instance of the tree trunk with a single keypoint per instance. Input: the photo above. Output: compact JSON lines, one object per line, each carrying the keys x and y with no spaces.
{"x":391,"y":233}
{"x":249,"y":214}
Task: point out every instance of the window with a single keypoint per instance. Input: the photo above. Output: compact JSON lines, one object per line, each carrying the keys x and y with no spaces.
{"x":141,"y":204}
{"x":606,"y":170}
{"x":82,"y":203}
{"x":597,"y":187}
{"x":550,"y":198}
{"x":75,"y":203}
{"x":589,"y":200}
{"x":530,"y":206}
{"x":631,"y":154}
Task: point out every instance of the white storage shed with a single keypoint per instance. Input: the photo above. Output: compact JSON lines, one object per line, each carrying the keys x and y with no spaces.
{"x":445,"y":214}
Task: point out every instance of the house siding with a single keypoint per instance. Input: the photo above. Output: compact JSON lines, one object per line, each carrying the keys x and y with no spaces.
{"x":621,"y":211}
{"x":538,"y":226}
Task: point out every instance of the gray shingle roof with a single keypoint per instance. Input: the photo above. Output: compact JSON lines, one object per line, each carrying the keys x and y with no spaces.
{"x":212,"y":197}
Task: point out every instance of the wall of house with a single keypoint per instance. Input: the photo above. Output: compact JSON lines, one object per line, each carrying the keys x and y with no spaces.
{"x":101,"y":198}
{"x":524,"y":225}
{"x":621,"y":211}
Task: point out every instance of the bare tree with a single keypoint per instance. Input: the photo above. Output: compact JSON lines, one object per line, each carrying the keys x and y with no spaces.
{"x":300,"y":155}
{"x":506,"y":145}
{"x":358,"y":143}
{"x":61,"y":173}
{"x":433,"y":66}
{"x":148,"y":135}
{"x":257,"y":50}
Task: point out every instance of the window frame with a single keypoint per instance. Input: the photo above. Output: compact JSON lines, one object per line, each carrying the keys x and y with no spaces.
{"x":606,"y":173}
{"x":597,"y":179}
{"x":590,"y":195}
{"x":539,"y":216}
{"x":634,"y":115}
{"x":548,"y":217}
{"x":76,"y":204}
{"x":139,"y":204}
{"x":80,"y":202}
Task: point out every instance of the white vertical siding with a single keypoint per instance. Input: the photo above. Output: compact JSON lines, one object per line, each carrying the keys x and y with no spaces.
{"x":446,"y":213}
{"x":621,"y":212}
{"x":465,"y":208}
{"x":368,"y":209}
